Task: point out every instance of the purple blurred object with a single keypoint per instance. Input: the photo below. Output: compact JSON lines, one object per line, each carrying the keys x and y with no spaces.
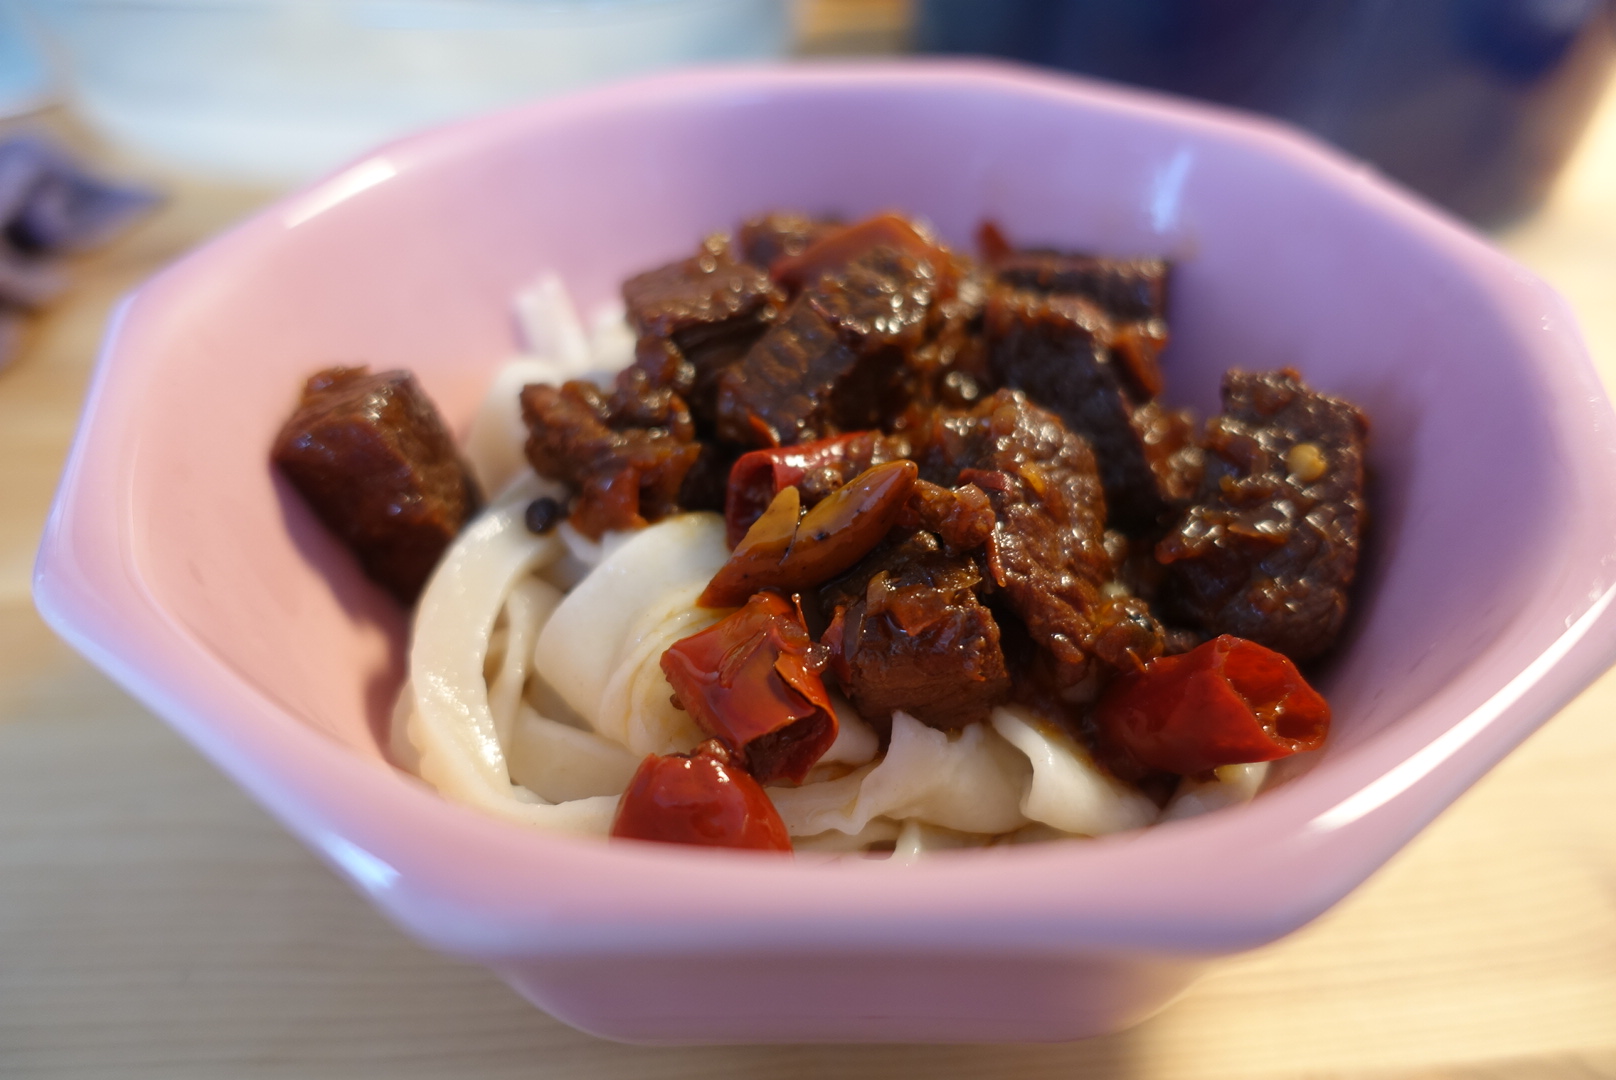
{"x":50,"y":206}
{"x":1474,"y":103}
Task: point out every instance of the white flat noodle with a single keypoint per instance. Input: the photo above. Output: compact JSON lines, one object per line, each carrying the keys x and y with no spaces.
{"x":591,"y":553}
{"x":856,"y":742}
{"x":880,"y":831}
{"x":581,"y":817}
{"x":1068,"y":791}
{"x":636,"y":708}
{"x":583,"y":555}
{"x":640,"y":594}
{"x":494,"y":444}
{"x":972,"y":782}
{"x":549,"y":327}
{"x":451,"y":725}
{"x":560,"y":763}
{"x":1235,"y":784}
{"x":527,"y":608}
{"x":454,"y":729}
{"x":611,"y":340}
{"x":495,"y":655}
{"x":827,"y":805}
{"x":400,"y":751}
{"x":918,"y":839}
{"x":542,"y":699}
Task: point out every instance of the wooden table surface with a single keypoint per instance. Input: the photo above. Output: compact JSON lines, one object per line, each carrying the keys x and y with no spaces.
{"x":154,"y":923}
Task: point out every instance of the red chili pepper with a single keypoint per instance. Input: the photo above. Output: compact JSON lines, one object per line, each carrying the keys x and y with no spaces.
{"x":779,"y":552}
{"x":758,"y":476}
{"x":753,"y":681}
{"x":1227,"y":702}
{"x":699,"y":798}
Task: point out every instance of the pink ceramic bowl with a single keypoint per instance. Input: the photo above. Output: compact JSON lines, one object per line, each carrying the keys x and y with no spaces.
{"x":177,"y":563}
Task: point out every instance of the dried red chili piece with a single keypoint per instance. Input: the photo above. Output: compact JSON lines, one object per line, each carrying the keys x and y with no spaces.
{"x":753,"y":681}
{"x":700,"y":798}
{"x":778,"y":552}
{"x":815,"y":468}
{"x":1226,"y":702}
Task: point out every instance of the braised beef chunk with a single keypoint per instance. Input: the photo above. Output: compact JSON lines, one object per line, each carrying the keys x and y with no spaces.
{"x":962,"y":517}
{"x":832,"y":253}
{"x":1126,"y":289}
{"x":1171,"y":449}
{"x":1047,"y":549}
{"x":776,"y":395}
{"x":627,"y":454}
{"x":950,"y":367}
{"x":766,"y":239}
{"x":836,"y":361}
{"x":908,"y":632}
{"x":376,"y":464}
{"x":1057,"y":349}
{"x":1269,"y":550}
{"x":697,"y":316}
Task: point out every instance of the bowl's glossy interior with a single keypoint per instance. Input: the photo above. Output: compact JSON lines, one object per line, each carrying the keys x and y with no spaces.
{"x":180,"y":562}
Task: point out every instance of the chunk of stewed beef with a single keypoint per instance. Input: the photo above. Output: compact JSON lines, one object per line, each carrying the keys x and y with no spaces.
{"x":1126,"y":289}
{"x":950,"y":367}
{"x":1269,"y":550}
{"x":837,"y":359}
{"x":1046,"y":552}
{"x":626,"y":454}
{"x":908,"y":632}
{"x":961,"y":517}
{"x":1058,"y":349}
{"x":768,"y":238}
{"x":377,"y":465}
{"x":696,"y":317}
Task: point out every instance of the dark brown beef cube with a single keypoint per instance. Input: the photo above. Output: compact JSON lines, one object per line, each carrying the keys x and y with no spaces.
{"x":909,"y":633}
{"x":627,"y":454}
{"x":779,"y":393}
{"x":374,"y":461}
{"x":961,"y":517}
{"x":1171,"y":449}
{"x":880,"y":299}
{"x":1057,"y":349}
{"x":1269,"y":550}
{"x":1046,"y":554}
{"x":1126,"y":289}
{"x":770,"y":237}
{"x":951,"y":366}
{"x":697,"y":316}
{"x":836,"y":360}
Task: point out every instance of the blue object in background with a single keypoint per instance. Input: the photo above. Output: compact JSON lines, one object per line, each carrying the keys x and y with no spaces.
{"x":1475,"y":103}
{"x":24,"y":78}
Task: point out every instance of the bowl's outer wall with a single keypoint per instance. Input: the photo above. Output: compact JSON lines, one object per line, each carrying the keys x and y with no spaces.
{"x":181,"y":564}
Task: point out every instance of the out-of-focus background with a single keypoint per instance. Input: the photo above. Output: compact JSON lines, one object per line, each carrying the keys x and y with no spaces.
{"x":154,"y":923}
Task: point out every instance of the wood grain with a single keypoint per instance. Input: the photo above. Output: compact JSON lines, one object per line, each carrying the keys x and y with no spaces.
{"x":153,"y":923}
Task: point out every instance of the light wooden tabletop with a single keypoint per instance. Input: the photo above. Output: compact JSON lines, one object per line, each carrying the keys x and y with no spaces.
{"x":154,"y":923}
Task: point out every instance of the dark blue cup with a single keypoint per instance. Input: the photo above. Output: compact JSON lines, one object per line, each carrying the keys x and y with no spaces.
{"x":1475,"y":103}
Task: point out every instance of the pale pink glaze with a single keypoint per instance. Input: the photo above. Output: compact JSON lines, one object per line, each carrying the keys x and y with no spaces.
{"x":177,"y":562}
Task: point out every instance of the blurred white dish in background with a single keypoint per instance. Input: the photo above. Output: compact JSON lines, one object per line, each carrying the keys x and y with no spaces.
{"x":282,"y":90}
